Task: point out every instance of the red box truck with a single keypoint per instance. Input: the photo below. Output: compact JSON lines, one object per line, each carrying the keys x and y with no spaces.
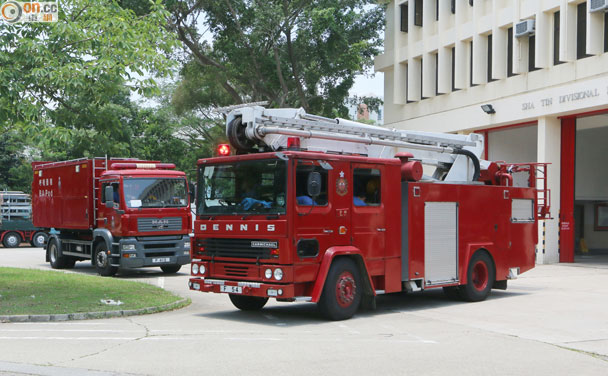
{"x":119,"y":213}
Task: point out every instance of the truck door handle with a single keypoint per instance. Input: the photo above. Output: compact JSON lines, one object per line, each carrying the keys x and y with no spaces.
{"x":380,"y":229}
{"x":328,"y":231}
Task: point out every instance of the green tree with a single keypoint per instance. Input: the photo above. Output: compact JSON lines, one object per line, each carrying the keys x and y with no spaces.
{"x":287,"y":52}
{"x":59,"y":79}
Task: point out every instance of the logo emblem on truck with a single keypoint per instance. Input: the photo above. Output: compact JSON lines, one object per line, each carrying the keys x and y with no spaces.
{"x":260,"y":244}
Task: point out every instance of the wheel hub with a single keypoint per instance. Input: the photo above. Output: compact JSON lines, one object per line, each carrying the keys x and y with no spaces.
{"x":53,"y":253}
{"x":102,"y":259}
{"x":346,"y":289}
{"x":480,"y":275}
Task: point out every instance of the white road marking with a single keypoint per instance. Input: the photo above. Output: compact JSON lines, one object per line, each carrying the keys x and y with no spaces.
{"x":71,"y":330}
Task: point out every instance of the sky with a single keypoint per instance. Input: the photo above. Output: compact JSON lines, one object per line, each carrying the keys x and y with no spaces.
{"x":368,"y":86}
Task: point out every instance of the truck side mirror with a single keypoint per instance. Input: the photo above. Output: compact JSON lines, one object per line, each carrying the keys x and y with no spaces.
{"x":109,"y":195}
{"x":192,"y":191}
{"x":314,"y":184}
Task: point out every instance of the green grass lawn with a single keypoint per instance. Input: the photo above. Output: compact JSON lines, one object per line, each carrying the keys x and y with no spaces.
{"x":35,"y":292}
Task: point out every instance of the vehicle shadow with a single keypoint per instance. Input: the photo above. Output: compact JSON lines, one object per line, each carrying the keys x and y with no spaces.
{"x":296,"y":314}
{"x":85,"y":267}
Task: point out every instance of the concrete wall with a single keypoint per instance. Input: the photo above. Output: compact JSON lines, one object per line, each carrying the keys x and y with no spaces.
{"x":517,"y":145}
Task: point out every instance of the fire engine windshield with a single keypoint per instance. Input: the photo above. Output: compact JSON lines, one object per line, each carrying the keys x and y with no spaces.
{"x":155,"y":192}
{"x":242,"y":187}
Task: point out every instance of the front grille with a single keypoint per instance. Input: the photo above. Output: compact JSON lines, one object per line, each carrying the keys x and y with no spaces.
{"x":235,"y":271}
{"x":159,"y":224}
{"x":233,"y":248}
{"x":159,"y":245}
{"x":156,"y":254}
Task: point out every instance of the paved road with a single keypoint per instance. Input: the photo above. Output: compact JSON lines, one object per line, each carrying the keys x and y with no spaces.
{"x":551,"y":321}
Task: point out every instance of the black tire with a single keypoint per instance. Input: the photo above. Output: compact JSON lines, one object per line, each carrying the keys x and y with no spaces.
{"x":11,"y":240}
{"x":170,"y":269}
{"x":69,"y":262}
{"x":480,"y":278}
{"x":248,"y":303}
{"x":452,"y":292}
{"x":56,"y":258}
{"x":39,"y":239}
{"x":342,"y":291}
{"x":102,"y":261}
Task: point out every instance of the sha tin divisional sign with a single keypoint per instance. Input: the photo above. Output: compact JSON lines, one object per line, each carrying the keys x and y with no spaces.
{"x":563,"y":99}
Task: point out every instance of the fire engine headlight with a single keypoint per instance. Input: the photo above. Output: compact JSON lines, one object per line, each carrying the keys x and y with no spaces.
{"x":187,"y":245}
{"x":128,"y":247}
{"x":194,"y":269}
{"x":202,"y":269}
{"x":268,"y":273}
{"x":278,"y":274}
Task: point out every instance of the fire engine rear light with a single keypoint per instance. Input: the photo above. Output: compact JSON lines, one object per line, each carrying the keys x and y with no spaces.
{"x":278,"y":274}
{"x":223,"y":149}
{"x":194,"y":269}
{"x":268,"y":273}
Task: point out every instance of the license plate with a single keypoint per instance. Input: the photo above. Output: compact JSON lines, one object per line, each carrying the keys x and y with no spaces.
{"x":231,"y":289}
{"x":160,"y":259}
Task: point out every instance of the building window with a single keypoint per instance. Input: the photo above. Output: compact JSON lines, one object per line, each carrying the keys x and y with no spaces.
{"x":581,"y":31}
{"x":471,"y":65}
{"x":437,"y":74}
{"x":556,"y":39}
{"x":453,"y":6}
{"x":606,"y":32}
{"x":510,"y":52}
{"x":454,"y":69}
{"x":601,"y":217}
{"x":436,"y":10}
{"x":418,"y":12}
{"x":403,"y":18}
{"x":532,"y":53}
{"x":490,"y":79}
{"x":422,"y":79}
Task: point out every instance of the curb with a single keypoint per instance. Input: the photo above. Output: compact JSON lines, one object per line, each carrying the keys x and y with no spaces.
{"x":93,"y":315}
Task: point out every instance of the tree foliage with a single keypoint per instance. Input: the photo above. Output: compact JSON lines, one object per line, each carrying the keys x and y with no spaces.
{"x":56,"y":77}
{"x":288,"y":52}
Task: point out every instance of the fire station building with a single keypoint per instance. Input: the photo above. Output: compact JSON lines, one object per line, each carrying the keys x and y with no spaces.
{"x":531,"y":76}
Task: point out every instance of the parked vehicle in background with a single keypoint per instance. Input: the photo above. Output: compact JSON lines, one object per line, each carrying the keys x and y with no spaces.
{"x":118,"y":213}
{"x":16,"y":221}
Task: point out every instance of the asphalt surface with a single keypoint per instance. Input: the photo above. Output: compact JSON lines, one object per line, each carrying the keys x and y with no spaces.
{"x":551,"y":321}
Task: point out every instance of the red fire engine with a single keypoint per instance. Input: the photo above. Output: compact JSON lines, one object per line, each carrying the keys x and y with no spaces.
{"x":123,"y":213}
{"x":336,"y":212}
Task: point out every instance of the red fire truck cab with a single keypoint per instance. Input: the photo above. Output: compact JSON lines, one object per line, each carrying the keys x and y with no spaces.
{"x":340,"y":229}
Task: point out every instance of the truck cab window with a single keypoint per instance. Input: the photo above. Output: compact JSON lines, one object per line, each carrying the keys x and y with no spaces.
{"x":366,"y":187}
{"x":302,"y":197}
